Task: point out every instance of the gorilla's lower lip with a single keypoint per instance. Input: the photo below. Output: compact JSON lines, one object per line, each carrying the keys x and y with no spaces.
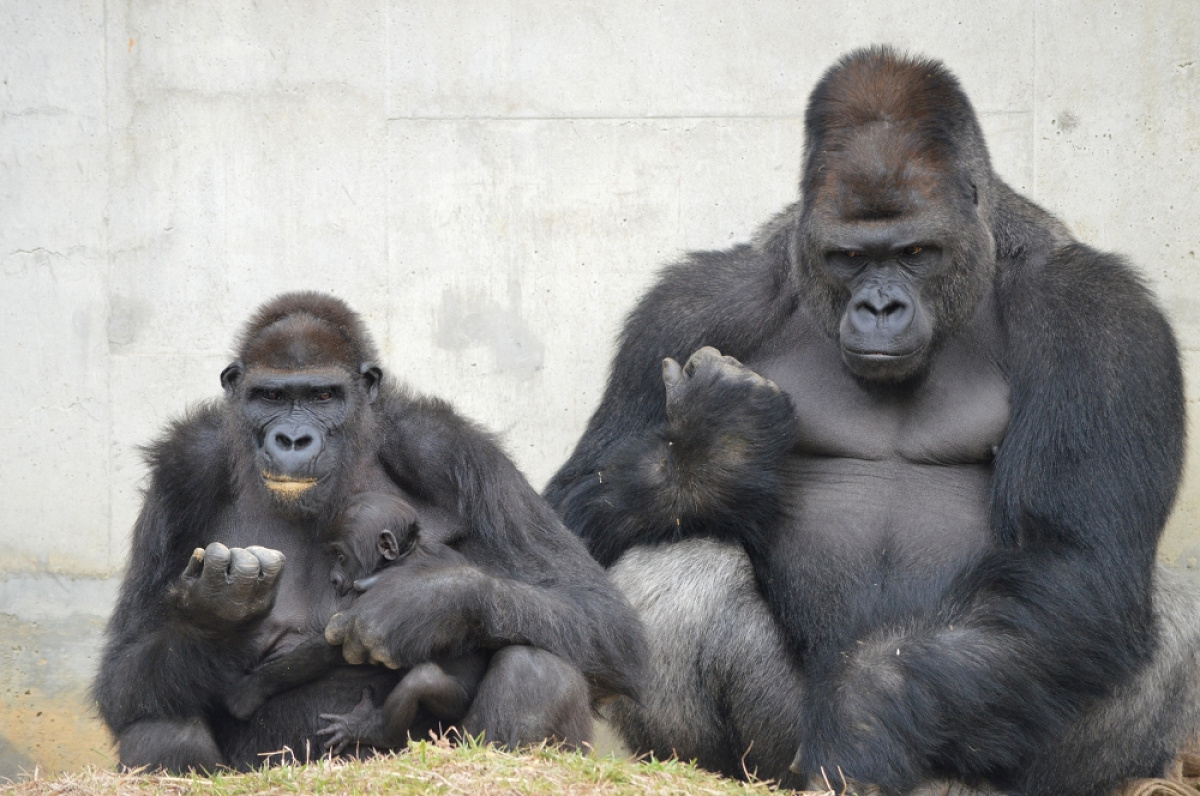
{"x":286,"y":485}
{"x":880,"y":356}
{"x":880,"y":366}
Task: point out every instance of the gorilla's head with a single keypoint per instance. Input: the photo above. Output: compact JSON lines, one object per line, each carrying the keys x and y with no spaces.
{"x":893,"y":237}
{"x":299,"y":398}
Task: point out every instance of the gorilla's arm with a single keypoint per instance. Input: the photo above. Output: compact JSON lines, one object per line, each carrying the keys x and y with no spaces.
{"x":709,"y":460}
{"x":177,"y":632}
{"x":1060,"y":613}
{"x":529,"y":581}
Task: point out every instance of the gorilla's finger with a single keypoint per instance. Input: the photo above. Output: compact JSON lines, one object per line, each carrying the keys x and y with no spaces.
{"x":700,"y":357}
{"x":216,"y":563}
{"x":195,"y":564}
{"x":672,"y":373}
{"x":270,"y":561}
{"x":339,"y":631}
{"x":383,"y":657}
{"x":337,"y":628}
{"x":353,"y":651}
{"x":243,"y":567}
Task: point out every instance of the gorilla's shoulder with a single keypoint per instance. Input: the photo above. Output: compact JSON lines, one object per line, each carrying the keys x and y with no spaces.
{"x":189,"y":460}
{"x":1084,"y":285}
{"x":727,"y":298}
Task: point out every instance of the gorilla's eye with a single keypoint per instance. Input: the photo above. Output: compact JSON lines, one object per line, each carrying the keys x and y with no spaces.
{"x":851,"y":253}
{"x":341,"y":558}
{"x":323,"y":395}
{"x":913,"y":251}
{"x":272,"y":395}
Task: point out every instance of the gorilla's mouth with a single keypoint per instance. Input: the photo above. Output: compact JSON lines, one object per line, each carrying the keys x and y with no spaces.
{"x":884,"y":366}
{"x":286,"y":486}
{"x":882,"y":357}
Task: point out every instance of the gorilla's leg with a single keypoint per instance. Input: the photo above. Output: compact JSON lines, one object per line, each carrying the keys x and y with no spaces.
{"x":444,"y":687}
{"x":529,"y":695}
{"x":175,"y":745}
{"x":1151,"y":718}
{"x":721,"y":688}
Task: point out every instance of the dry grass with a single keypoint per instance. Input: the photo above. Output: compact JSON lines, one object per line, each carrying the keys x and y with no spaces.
{"x":427,"y":767}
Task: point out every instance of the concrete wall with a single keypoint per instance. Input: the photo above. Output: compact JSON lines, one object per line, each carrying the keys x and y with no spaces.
{"x":491,"y":183}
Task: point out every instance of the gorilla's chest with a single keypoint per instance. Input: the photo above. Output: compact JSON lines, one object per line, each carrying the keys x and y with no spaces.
{"x":906,"y":473}
{"x":957,"y":414}
{"x":306,"y":597}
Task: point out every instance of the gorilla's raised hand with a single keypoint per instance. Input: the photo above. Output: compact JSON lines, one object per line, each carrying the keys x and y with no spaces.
{"x":224,"y":586}
{"x":723,"y":412}
{"x":411,"y":613}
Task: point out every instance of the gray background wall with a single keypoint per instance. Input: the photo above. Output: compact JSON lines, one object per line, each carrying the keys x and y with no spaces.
{"x":491,"y":183}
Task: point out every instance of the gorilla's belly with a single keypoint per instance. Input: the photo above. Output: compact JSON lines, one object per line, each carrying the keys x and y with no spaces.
{"x":915,"y":517}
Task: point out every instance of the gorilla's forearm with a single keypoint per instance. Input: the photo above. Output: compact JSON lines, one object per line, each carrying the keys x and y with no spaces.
{"x":668,"y":485}
{"x":588,"y":626}
{"x":169,"y":672}
{"x":161,"y":660}
{"x":559,"y":599}
{"x":1015,"y":643}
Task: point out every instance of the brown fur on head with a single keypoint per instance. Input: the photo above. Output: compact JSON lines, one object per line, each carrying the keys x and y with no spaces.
{"x":893,"y":140}
{"x":304,"y":330}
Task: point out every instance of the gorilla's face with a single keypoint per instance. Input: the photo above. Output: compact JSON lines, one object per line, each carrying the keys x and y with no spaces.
{"x":886,"y":330}
{"x":299,"y":430}
{"x":893,"y":238}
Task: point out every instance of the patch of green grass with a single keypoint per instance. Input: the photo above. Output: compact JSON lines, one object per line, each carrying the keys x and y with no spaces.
{"x":426,"y":767}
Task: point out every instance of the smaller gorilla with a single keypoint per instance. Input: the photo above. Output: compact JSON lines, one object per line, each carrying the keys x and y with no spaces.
{"x":365,"y":542}
{"x":245,"y":483}
{"x":375,"y":530}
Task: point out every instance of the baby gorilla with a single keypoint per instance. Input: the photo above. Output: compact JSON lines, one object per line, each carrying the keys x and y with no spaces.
{"x":374,"y":531}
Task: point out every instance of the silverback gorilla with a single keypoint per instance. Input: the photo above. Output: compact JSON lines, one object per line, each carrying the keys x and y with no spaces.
{"x":251,"y":483}
{"x":896,"y":516}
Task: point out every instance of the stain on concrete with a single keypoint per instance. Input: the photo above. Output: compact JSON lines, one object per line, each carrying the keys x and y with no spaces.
{"x":53,"y":630}
{"x":127,"y":317}
{"x":470,"y":319}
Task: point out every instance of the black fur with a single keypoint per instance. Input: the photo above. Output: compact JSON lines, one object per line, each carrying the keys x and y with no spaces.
{"x":971,"y":666}
{"x":177,"y":643}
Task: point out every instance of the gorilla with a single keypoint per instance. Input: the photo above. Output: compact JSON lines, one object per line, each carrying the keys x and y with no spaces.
{"x":251,"y":484}
{"x":894,"y":519}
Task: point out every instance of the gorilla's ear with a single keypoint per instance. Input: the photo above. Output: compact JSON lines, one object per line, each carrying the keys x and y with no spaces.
{"x":371,"y":376}
{"x":231,"y":376}
{"x":389,"y":548}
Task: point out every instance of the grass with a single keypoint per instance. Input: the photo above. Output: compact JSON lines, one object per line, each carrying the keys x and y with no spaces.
{"x":426,"y":767}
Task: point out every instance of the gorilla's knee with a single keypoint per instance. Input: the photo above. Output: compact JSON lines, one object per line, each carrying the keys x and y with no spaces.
{"x":176,"y":745}
{"x":528,"y":696}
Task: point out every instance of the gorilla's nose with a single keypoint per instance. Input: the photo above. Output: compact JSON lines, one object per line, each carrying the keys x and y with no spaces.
{"x":881,"y":310}
{"x":293,"y":447}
